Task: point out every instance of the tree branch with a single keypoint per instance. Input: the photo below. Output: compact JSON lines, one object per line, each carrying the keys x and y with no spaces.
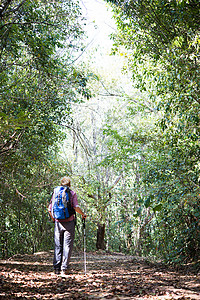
{"x":147,"y":220}
{"x":11,"y":143}
{"x":117,"y":180}
{"x":28,"y":23}
{"x":20,"y":193}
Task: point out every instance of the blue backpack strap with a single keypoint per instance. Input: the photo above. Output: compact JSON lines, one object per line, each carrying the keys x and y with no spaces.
{"x":65,"y":196}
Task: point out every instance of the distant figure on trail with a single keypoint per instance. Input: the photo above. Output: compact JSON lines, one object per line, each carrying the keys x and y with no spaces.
{"x":62,"y":209}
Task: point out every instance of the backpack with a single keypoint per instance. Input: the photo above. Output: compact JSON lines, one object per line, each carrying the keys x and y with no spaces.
{"x":61,"y":206}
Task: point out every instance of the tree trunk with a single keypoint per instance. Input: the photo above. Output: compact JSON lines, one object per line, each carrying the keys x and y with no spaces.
{"x":108,"y":233}
{"x":100,"y":236}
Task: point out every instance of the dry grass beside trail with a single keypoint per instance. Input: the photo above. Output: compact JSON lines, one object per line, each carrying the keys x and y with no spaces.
{"x":109,"y":276}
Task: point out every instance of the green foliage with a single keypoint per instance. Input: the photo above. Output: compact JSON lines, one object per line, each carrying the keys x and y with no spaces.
{"x":161,"y":43}
{"x":40,"y":40}
{"x":167,"y":32}
{"x":136,"y":167}
{"x":162,"y":193}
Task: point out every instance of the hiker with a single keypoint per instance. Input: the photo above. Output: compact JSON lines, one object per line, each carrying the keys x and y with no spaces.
{"x":64,"y":230}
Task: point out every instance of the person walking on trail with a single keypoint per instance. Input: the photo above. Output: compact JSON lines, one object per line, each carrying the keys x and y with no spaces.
{"x":64,"y":230}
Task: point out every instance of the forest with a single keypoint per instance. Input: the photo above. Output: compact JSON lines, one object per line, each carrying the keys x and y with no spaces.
{"x":133,"y":155}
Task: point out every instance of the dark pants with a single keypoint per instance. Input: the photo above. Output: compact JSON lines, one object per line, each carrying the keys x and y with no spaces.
{"x":63,"y":238}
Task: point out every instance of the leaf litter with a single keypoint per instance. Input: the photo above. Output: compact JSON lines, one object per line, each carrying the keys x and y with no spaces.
{"x":109,"y":276}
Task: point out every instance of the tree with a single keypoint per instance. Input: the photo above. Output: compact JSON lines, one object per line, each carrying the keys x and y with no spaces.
{"x":161,"y":43}
{"x":94,"y":182}
{"x":167,"y":32}
{"x":38,"y":82}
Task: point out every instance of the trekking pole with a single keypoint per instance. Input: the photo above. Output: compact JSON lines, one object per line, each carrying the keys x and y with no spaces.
{"x":84,"y":244}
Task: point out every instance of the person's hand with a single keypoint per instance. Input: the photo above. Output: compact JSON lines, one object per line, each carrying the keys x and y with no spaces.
{"x":84,"y":216}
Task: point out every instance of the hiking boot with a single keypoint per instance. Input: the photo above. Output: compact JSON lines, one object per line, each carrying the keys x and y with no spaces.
{"x":64,"y":273}
{"x":57,"y":271}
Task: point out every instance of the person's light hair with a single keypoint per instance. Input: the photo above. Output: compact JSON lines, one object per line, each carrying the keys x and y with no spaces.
{"x":65,"y":181}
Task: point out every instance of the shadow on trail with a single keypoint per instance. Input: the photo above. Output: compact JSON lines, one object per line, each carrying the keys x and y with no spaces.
{"x":110,"y":276}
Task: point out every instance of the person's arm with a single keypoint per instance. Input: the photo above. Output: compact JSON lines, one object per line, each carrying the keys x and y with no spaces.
{"x":76,"y":206}
{"x":79,"y":210}
{"x":49,"y":209}
{"x":51,"y":216}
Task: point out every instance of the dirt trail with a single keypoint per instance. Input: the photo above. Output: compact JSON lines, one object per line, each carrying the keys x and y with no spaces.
{"x":108,"y":277}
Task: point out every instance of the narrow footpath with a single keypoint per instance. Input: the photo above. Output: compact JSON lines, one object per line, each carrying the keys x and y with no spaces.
{"x":109,"y":276}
